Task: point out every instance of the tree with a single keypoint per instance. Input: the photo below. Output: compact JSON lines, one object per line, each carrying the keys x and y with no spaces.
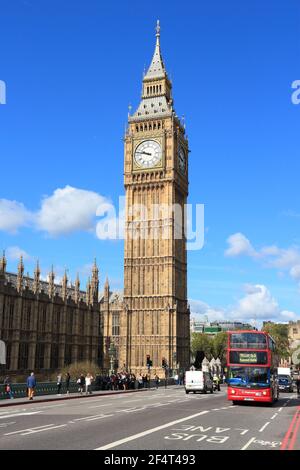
{"x":280,"y":334}
{"x":202,"y":343}
{"x":219,"y":346}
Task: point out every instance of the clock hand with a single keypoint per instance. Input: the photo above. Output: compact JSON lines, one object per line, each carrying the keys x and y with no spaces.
{"x":145,"y":153}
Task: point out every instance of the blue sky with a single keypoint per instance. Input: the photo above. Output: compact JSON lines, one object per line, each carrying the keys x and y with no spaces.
{"x":71,"y":68}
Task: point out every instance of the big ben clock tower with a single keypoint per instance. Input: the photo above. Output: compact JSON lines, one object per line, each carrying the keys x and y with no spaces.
{"x":155,"y":322}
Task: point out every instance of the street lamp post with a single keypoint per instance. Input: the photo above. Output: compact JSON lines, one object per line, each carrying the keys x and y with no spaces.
{"x":112,"y":355}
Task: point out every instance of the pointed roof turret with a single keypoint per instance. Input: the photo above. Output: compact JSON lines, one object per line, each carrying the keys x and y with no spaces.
{"x":36,"y":282}
{"x":157,"y":67}
{"x":20,"y":276}
{"x":3,"y":263}
{"x":157,"y":89}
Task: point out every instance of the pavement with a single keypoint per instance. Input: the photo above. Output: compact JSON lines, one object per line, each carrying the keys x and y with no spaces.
{"x":163,"y":419}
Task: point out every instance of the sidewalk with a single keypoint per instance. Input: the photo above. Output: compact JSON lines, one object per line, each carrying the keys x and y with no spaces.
{"x":71,"y":396}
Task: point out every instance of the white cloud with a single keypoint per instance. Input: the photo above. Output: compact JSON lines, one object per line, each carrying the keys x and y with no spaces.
{"x":68,"y":210}
{"x":239,"y":245}
{"x":13,"y":215}
{"x":295,"y":272}
{"x":256,"y":306}
{"x":283,"y":259}
{"x":15,"y":252}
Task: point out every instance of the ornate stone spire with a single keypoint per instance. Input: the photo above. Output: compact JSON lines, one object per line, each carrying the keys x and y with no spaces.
{"x":36,"y":281}
{"x":64,"y":286}
{"x":106,"y":289}
{"x":157,"y":67}
{"x":157,"y":89}
{"x":3,"y":263}
{"x":88,"y":291}
{"x":77,"y":289}
{"x":20,"y":276}
{"x":95,"y":282}
{"x":51,"y":287}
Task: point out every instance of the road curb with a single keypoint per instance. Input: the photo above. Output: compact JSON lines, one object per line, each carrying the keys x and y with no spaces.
{"x":31,"y":402}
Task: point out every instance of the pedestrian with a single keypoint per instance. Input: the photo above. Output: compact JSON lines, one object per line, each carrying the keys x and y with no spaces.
{"x":157,"y":380}
{"x":59,"y":384}
{"x":88,"y":382}
{"x":31,"y":384}
{"x":176,"y":378}
{"x":7,"y":387}
{"x":68,"y":378}
{"x":81,"y":383}
{"x":140,"y":381}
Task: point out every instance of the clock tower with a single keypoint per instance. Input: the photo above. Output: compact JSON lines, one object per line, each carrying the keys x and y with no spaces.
{"x":155,"y":321}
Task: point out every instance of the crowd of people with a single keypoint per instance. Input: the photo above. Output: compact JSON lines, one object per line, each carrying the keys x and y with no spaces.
{"x":118,"y":381}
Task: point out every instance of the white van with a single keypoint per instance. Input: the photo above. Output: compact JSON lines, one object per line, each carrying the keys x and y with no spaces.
{"x":198,"y":381}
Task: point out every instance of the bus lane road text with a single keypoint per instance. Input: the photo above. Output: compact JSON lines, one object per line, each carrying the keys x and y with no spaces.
{"x":210,"y":434}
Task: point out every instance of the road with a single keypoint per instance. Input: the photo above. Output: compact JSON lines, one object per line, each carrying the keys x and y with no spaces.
{"x":163,"y":419}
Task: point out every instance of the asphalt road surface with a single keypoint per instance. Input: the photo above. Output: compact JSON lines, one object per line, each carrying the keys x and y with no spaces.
{"x":163,"y":419}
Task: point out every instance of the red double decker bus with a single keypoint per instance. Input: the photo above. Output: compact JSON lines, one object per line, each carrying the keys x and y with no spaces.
{"x":251,"y":367}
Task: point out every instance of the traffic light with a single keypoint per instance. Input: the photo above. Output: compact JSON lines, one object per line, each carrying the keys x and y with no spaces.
{"x":149,"y":362}
{"x":163,"y":362}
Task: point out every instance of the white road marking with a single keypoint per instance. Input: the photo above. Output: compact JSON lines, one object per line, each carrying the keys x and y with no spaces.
{"x":99,"y":406}
{"x":88,"y":417}
{"x":150,"y":431}
{"x":99,"y":417}
{"x":29,"y":413}
{"x":264,"y":427}
{"x":248,"y":443}
{"x":273,"y":417}
{"x":28,"y":429}
{"x":42,"y":430}
{"x":4,"y":425}
{"x":280,"y":409}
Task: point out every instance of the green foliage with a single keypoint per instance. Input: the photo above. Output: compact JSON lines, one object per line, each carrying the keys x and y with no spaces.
{"x":280,"y":334}
{"x":212,"y":346}
{"x":219,"y":346}
{"x":78,"y":368}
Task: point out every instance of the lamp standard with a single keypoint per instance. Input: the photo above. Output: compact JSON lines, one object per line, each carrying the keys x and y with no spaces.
{"x":112,"y":355}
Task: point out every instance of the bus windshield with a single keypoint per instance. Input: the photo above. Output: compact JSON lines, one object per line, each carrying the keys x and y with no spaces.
{"x":249,"y":377}
{"x":248,"y":341}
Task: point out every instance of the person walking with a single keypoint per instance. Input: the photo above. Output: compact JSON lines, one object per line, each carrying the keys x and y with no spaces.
{"x":7,"y":387}
{"x":157,"y":380}
{"x":31,"y":384}
{"x":59,"y":384}
{"x":81,"y":383}
{"x":68,"y":378}
{"x":88,"y":382}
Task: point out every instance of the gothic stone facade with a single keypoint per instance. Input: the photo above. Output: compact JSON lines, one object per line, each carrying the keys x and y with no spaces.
{"x":46,"y":326}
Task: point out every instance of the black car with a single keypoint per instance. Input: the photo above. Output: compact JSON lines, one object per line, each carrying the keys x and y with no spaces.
{"x":285,"y":383}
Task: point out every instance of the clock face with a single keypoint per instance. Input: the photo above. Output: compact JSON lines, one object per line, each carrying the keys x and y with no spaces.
{"x":148,"y":154}
{"x":181,"y":160}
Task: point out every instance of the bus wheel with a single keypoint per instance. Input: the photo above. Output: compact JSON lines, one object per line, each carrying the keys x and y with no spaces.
{"x":187,"y":392}
{"x":234,"y":402}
